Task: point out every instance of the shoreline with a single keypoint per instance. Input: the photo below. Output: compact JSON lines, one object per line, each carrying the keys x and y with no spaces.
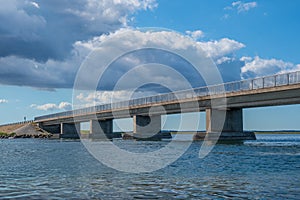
{"x":277,"y":132}
{"x":31,"y":130}
{"x":51,"y":136}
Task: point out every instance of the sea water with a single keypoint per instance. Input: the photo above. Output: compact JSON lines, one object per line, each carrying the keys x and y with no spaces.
{"x":268,"y":168}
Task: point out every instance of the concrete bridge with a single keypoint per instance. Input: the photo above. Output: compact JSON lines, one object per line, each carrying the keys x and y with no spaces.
{"x":226,"y":100}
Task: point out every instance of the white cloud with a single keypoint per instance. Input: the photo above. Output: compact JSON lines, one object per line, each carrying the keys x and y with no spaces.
{"x":52,"y":106}
{"x":261,"y":67}
{"x":45,"y":107}
{"x":86,"y":99}
{"x":246,"y":58}
{"x":239,"y":7}
{"x":102,"y":97}
{"x":195,"y":34}
{"x":172,"y":40}
{"x":224,"y":59}
{"x":35,"y":4}
{"x":221,"y":47}
{"x":243,"y":7}
{"x":61,"y":74}
{"x":105,"y":12}
{"x":65,"y":106}
{"x":3,"y":101}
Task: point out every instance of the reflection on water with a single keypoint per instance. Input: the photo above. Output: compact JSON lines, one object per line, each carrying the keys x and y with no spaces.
{"x":267,"y":168}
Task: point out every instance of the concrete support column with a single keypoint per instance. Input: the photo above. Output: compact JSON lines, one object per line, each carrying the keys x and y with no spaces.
{"x":101,"y":129}
{"x":70,"y":130}
{"x":146,"y":127}
{"x":225,"y":125}
{"x":232,"y":119}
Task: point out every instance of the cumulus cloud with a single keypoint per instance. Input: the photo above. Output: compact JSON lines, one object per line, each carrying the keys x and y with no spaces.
{"x":195,"y":34}
{"x":172,"y":40}
{"x":217,"y":49}
{"x":86,"y":99}
{"x":52,"y":106}
{"x":45,"y":107}
{"x":102,"y":96}
{"x":222,"y":47}
{"x":65,"y":106}
{"x":61,"y":74}
{"x":3,"y":101}
{"x":165,"y":40}
{"x":224,"y":59}
{"x":255,"y":67}
{"x":43,"y":30}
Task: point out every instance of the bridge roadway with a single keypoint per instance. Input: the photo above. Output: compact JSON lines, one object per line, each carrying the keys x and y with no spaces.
{"x":227,"y":100}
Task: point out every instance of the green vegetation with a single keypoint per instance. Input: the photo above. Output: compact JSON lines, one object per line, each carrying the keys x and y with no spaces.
{"x":6,"y":135}
{"x":84,"y":131}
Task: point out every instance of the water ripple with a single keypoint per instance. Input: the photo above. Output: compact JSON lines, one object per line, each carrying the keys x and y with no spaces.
{"x":50,"y":169}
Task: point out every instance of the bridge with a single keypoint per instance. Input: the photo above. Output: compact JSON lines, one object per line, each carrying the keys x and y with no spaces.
{"x":226,"y":100}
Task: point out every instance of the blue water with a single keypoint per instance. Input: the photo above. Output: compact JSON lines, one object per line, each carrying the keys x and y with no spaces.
{"x":268,"y":168}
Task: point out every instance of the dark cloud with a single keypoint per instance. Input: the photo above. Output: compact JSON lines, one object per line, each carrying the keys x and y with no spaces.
{"x":24,"y":72}
{"x":43,"y":30}
{"x":48,"y":53}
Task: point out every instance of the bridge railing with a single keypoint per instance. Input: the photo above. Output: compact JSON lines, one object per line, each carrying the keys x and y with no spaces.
{"x":16,"y":123}
{"x":243,"y":85}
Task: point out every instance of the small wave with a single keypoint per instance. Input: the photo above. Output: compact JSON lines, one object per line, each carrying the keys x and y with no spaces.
{"x":279,"y":153}
{"x":273,"y":144}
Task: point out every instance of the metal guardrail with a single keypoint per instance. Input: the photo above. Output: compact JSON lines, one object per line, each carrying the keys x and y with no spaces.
{"x":16,"y":123}
{"x":237,"y":86}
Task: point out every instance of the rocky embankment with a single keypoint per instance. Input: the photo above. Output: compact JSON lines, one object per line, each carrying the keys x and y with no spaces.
{"x":29,"y":130}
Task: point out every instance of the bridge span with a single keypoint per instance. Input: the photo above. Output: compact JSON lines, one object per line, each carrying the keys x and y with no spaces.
{"x":226,"y":100}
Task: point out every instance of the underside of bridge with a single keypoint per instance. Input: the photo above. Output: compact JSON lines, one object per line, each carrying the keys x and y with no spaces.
{"x":221,"y":124}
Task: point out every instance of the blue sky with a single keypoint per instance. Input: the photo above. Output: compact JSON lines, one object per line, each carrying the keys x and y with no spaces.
{"x":42,"y":44}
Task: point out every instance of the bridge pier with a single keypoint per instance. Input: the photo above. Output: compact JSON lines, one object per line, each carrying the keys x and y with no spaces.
{"x":70,"y":130}
{"x":233,"y":121}
{"x":101,"y":129}
{"x":148,"y":128}
{"x":231,"y":130}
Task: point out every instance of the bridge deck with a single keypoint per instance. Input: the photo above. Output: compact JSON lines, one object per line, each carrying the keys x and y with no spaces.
{"x":279,"y":89}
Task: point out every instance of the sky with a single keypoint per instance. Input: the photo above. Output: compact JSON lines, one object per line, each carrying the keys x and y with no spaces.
{"x":44,"y":43}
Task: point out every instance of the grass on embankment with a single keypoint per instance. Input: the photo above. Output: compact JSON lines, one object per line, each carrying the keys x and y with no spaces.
{"x":6,"y":135}
{"x":10,"y":128}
